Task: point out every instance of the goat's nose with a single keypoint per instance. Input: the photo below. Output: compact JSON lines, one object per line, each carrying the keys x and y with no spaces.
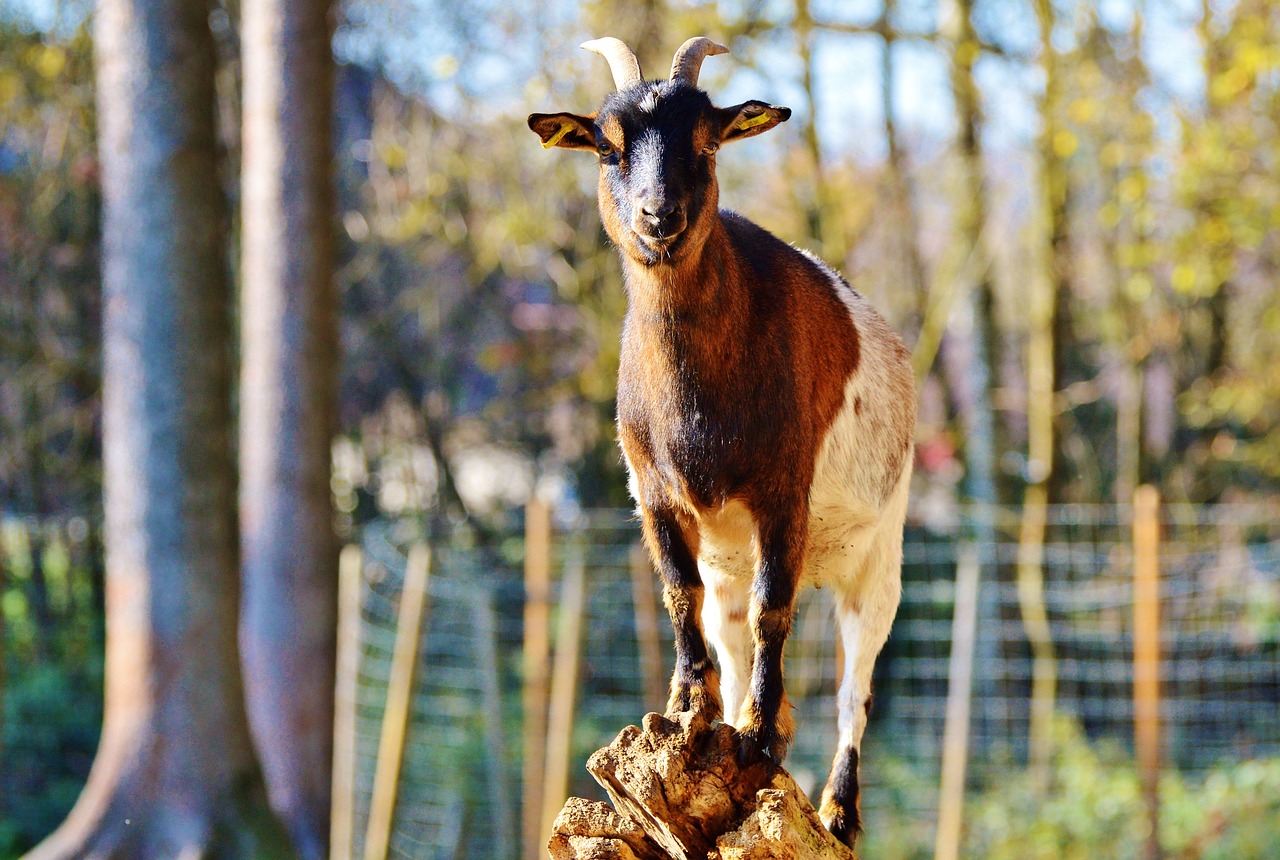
{"x":657,"y":209}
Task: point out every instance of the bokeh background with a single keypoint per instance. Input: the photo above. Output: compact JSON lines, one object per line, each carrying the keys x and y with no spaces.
{"x":1070,"y":211}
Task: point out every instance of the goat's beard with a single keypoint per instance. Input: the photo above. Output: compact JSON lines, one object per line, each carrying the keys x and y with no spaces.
{"x":655,"y":251}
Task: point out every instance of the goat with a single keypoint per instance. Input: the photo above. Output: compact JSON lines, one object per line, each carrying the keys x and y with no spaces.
{"x":765,"y":414}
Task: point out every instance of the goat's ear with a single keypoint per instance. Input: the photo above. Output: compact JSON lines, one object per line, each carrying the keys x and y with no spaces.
{"x":564,"y":129}
{"x":749,"y":119}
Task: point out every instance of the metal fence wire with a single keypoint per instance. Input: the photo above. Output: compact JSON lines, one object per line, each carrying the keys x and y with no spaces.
{"x":460,"y":784}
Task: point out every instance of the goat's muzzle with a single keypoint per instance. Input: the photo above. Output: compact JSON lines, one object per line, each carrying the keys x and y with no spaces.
{"x":657,"y":221}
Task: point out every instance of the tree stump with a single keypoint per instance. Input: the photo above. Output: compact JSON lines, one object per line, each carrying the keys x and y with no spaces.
{"x":679,"y":793}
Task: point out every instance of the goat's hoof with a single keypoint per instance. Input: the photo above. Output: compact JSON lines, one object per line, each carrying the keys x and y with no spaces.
{"x":844,"y":827}
{"x":698,"y":698}
{"x":755,"y":745}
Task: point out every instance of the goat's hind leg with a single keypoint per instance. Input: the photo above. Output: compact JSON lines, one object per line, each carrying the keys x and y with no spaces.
{"x":695,"y":686}
{"x":864,"y":614}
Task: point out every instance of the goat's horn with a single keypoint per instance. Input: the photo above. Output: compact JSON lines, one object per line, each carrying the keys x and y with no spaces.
{"x":688,"y":60}
{"x":623,"y":63}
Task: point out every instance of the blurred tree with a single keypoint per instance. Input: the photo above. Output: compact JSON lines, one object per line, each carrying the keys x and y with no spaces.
{"x":1052,"y":351}
{"x":1224,"y":277}
{"x":906,"y":220}
{"x":288,"y":409}
{"x":48,"y":301}
{"x":175,"y":773}
{"x":1046,"y":353}
{"x":971,"y":268}
{"x":969,"y":272}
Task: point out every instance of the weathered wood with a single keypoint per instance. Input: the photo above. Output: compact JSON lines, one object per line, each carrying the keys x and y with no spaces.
{"x":1146,"y":655}
{"x":955,"y":734}
{"x":487,"y":651}
{"x":537,"y":649}
{"x":343,"y":777}
{"x":680,"y":793}
{"x":589,"y":828}
{"x":564,"y":683}
{"x":414,"y":602}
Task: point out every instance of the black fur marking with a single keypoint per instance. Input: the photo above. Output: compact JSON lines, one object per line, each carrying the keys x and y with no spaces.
{"x":683,"y":590}
{"x":762,"y":734}
{"x":844,"y":791}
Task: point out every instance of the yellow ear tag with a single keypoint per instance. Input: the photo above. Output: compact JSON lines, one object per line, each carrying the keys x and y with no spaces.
{"x":759,"y":119}
{"x":565,"y":128}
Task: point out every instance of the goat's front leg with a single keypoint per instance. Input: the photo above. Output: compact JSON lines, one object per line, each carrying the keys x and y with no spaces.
{"x":765,"y":724}
{"x":695,"y":686}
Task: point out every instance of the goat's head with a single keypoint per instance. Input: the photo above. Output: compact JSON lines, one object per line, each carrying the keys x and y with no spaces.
{"x":657,"y":143}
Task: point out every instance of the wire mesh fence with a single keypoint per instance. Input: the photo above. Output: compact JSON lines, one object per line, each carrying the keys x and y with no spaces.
{"x":462,"y":787}
{"x":461,"y":783}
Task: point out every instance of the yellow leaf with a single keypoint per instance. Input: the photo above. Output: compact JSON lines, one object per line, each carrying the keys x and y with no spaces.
{"x":50,"y":61}
{"x":1082,"y":110}
{"x":1216,"y":231}
{"x":445,"y":67}
{"x":10,"y":86}
{"x":1228,"y":84}
{"x":393,"y":155}
{"x":967,"y":53}
{"x":1112,"y":154}
{"x":1183,"y":278}
{"x":1130,"y":188}
{"x":1064,"y":144}
{"x":1251,"y":57}
{"x":1138,"y":287}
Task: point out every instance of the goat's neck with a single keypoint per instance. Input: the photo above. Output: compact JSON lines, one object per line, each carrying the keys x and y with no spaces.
{"x":703,"y":290}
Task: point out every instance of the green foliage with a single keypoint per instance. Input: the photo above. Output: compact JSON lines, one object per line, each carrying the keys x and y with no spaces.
{"x":51,"y":683}
{"x":898,"y":795}
{"x":49,"y":303}
{"x":1093,"y":807}
{"x":52,"y":717}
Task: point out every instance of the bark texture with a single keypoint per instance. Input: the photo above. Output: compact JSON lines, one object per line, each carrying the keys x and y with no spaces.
{"x":680,"y":793}
{"x":175,"y":774}
{"x":288,"y":408}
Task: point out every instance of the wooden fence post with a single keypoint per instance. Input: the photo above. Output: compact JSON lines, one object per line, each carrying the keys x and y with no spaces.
{"x":1146,"y":654}
{"x":496,"y":754}
{"x":564,"y":687}
{"x":652,"y":680}
{"x":537,"y":649}
{"x":342,"y":820}
{"x":955,"y":734}
{"x":395,"y":717}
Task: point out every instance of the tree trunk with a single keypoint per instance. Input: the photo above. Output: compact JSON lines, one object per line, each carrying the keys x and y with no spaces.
{"x":820,"y":209}
{"x":288,"y":407}
{"x":1046,"y":356}
{"x":642,"y":25}
{"x":175,"y":774}
{"x":680,"y":793}
{"x":983,"y":436}
{"x":906,"y":220}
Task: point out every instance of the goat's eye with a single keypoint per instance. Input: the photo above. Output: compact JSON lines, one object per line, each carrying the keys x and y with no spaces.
{"x":605,"y":148}
{"x":710,"y":148}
